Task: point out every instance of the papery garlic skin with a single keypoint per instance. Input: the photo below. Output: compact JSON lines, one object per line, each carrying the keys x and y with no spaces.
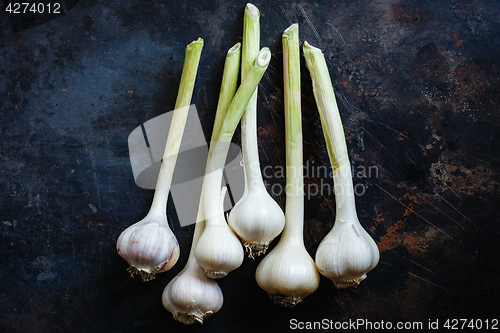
{"x":149,"y":247}
{"x":191,"y":296}
{"x":257,"y":219}
{"x":218,"y":250}
{"x":288,"y":273}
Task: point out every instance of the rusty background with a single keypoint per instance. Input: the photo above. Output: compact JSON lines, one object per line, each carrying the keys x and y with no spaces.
{"x":417,"y":83}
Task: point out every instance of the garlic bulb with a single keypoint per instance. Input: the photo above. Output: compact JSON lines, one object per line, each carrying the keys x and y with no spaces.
{"x":347,"y":252}
{"x":191,"y":296}
{"x":148,"y":246}
{"x":288,"y":272}
{"x":218,"y":250}
{"x":256,"y":218}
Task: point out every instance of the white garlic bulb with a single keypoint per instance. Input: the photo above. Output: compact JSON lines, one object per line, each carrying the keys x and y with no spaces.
{"x":218,"y":250}
{"x":288,"y":272}
{"x":257,"y":219}
{"x":149,"y":246}
{"x":191,"y":296}
{"x":347,"y":252}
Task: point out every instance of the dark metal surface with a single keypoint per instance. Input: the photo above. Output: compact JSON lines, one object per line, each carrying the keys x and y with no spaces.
{"x":417,"y":85}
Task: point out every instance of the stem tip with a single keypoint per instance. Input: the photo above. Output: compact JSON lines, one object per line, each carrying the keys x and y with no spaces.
{"x":252,"y":10}
{"x":263,"y":57}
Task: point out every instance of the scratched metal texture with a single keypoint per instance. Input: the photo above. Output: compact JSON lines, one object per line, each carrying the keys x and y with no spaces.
{"x":417,"y":84}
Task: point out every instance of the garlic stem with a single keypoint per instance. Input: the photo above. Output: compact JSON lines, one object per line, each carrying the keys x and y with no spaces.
{"x":219,"y":250}
{"x":288,"y":272}
{"x":256,"y":218}
{"x":294,"y":210}
{"x":149,"y":246}
{"x":176,"y":131}
{"x":347,"y":252}
{"x":232,"y":118}
{"x":228,"y":89}
{"x":249,"y":148}
{"x":228,"y":86}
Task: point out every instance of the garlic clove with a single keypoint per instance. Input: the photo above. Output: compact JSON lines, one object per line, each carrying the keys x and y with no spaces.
{"x":149,"y":247}
{"x":346,"y":254}
{"x":191,"y":296}
{"x":288,"y":274}
{"x":257,"y":219}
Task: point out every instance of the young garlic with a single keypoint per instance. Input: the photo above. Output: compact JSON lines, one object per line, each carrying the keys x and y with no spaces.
{"x":219,"y":250}
{"x":191,"y":296}
{"x":347,"y":252}
{"x":288,"y":272}
{"x":256,"y":218}
{"x":149,"y":246}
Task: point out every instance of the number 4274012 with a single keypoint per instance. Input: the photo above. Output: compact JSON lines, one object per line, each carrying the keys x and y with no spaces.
{"x":35,"y":8}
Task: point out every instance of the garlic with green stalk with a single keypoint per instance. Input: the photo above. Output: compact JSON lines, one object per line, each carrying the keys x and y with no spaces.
{"x":191,"y":296}
{"x":219,"y":249}
{"x":149,"y":246}
{"x":216,"y":251}
{"x":288,"y":272}
{"x":256,"y":218}
{"x":347,"y":252}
